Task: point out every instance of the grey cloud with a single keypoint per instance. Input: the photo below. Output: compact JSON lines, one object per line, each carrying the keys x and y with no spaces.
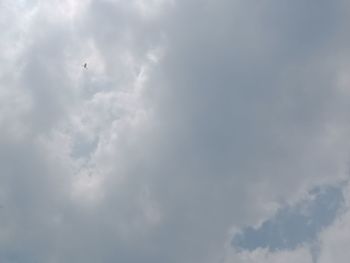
{"x":238,"y":114}
{"x":242,"y":105}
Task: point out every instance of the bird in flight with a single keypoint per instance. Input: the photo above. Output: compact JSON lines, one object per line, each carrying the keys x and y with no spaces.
{"x":85,"y":65}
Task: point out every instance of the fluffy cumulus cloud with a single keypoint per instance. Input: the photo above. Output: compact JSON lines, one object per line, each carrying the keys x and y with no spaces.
{"x":200,"y":131}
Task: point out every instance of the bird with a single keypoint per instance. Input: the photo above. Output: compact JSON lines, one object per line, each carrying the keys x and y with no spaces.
{"x":85,"y":65}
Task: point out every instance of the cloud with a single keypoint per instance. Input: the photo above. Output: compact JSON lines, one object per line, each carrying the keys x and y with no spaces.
{"x":193,"y":118}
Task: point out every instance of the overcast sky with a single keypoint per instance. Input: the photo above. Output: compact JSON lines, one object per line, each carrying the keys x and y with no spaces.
{"x":201,"y":131}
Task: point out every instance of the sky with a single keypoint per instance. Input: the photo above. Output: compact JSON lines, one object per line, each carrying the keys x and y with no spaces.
{"x":212,"y":131}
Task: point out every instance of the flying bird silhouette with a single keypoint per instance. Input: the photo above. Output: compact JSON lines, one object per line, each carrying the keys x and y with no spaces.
{"x":85,"y":65}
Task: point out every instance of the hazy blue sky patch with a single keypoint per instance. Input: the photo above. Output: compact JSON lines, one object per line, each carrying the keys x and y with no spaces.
{"x":294,"y":225}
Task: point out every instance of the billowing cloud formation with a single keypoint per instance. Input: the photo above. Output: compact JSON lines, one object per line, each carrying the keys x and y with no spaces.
{"x":193,"y":119}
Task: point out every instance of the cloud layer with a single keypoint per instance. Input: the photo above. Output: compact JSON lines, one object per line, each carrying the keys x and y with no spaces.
{"x":193,"y":120}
